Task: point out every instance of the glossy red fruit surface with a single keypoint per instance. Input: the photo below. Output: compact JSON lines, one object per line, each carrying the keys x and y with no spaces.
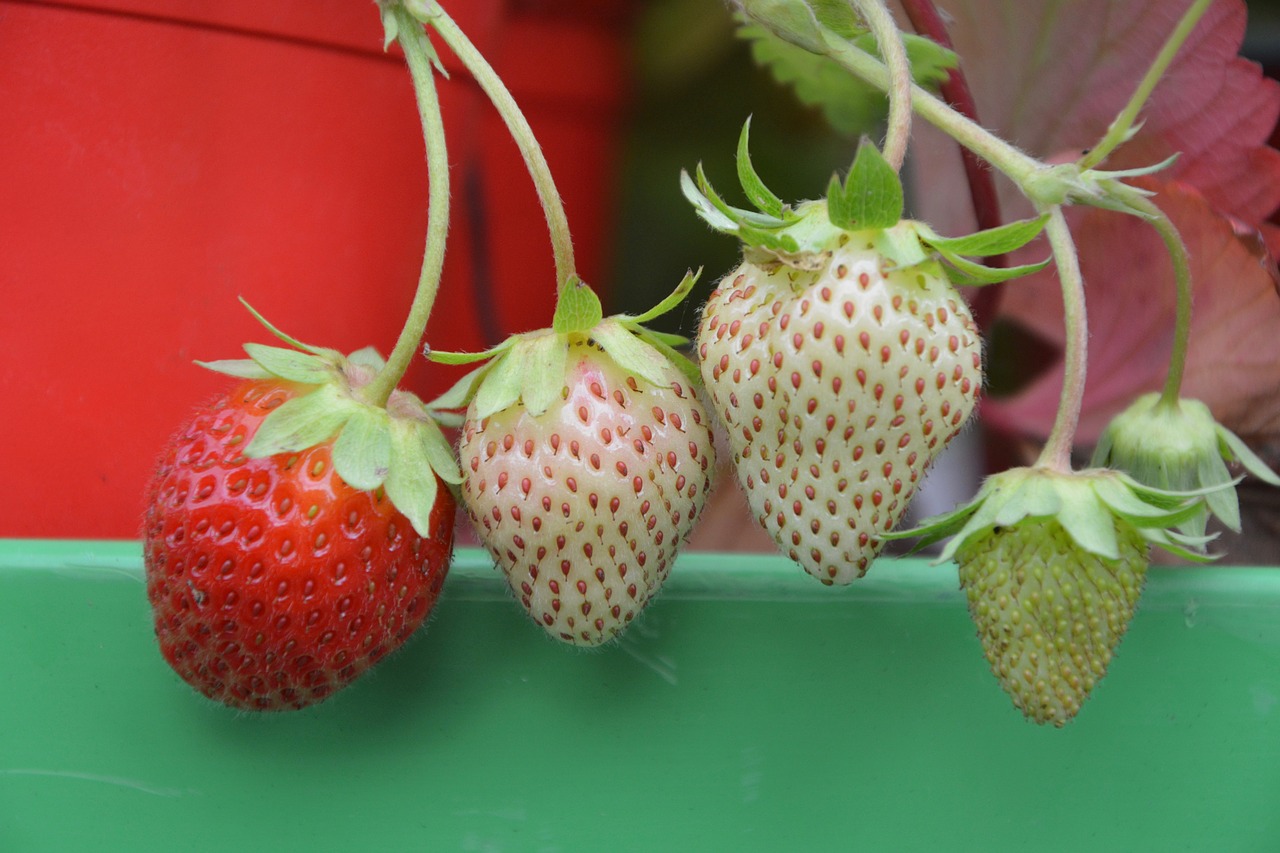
{"x":273,"y":583}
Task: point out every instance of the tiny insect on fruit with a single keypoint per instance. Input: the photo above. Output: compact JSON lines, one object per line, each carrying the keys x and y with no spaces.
{"x":273,"y":582}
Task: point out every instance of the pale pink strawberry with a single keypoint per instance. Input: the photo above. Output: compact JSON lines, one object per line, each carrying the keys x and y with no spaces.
{"x":584,"y":505}
{"x":839,"y":377}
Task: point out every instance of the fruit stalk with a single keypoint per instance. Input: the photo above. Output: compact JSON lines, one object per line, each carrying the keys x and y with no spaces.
{"x":1056,"y":454}
{"x":889,"y":41}
{"x":418,"y":56}
{"x":1181,"y":260}
{"x":518,"y":126}
{"x":1121,"y":127}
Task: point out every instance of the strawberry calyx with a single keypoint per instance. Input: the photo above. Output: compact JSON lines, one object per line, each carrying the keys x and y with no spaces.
{"x":866,"y":207}
{"x":529,"y":368}
{"x":1090,"y":505}
{"x":398,"y":447}
{"x":1178,"y":445}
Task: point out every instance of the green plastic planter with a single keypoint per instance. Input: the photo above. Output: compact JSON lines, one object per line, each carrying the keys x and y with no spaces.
{"x":750,"y":709}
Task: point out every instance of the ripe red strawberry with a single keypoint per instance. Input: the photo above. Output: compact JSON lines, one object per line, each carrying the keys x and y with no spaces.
{"x":273,"y":582}
{"x":838,"y":385}
{"x":584,"y":503}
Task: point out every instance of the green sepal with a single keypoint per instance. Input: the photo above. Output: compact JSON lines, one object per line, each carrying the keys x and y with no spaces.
{"x":902,"y":246}
{"x":577,"y":308}
{"x":1000,"y":240}
{"x":291,"y":364}
{"x":870,"y":197}
{"x":753,"y":229}
{"x":670,"y":302}
{"x":760,"y":195}
{"x":631,"y":353}
{"x":243,"y":368}
{"x":1236,"y":450}
{"x":446,"y":357}
{"x":368,"y":357}
{"x":545,"y":358}
{"x":682,"y":363}
{"x":966,"y":273}
{"x":411,"y":481}
{"x":362,"y":452}
{"x":303,"y":422}
{"x":460,"y":394}
{"x":324,"y":352}
{"x":500,"y":388}
{"x":439,"y":451}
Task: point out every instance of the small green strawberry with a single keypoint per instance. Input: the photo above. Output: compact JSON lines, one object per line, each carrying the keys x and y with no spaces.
{"x":840,"y":357}
{"x":1179,"y":446}
{"x":586,"y":459}
{"x":1052,"y":565}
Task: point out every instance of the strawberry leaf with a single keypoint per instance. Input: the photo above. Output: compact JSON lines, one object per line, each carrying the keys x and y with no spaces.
{"x":291,"y":364}
{"x":871,"y":196}
{"x":303,"y":422}
{"x":759,"y":194}
{"x":577,"y":308}
{"x":362,"y":452}
{"x":631,"y":353}
{"x":411,"y":481}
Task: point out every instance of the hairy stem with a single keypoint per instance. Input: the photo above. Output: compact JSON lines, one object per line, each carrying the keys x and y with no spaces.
{"x":927,"y":21}
{"x":889,"y":41}
{"x":418,"y":56}
{"x":518,"y":126}
{"x":1119,"y":130}
{"x":1056,"y":454}
{"x":1182,"y":281}
{"x":1019,"y":166}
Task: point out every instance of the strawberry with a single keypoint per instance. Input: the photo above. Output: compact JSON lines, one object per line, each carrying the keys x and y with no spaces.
{"x":586,"y":459}
{"x":840,"y":358}
{"x":273,"y":582}
{"x":1052,"y":564}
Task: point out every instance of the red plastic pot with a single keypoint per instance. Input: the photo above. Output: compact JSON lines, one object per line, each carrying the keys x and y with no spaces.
{"x":160,"y":159}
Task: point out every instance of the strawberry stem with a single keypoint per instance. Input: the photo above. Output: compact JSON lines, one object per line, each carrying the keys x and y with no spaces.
{"x":518,"y":126}
{"x":1182,"y":281}
{"x":1056,"y":454}
{"x":889,"y":41}
{"x":1120,"y":129}
{"x":418,"y":54}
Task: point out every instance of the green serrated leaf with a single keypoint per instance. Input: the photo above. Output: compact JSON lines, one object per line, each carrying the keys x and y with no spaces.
{"x":759,"y":194}
{"x":291,"y":364}
{"x":871,"y":196}
{"x":411,"y":481}
{"x":967,"y":273}
{"x":500,"y":387}
{"x":631,"y":353}
{"x":545,"y":358}
{"x":983,"y":244}
{"x":362,"y":453}
{"x":577,"y":308}
{"x":243,"y":368}
{"x":673,"y":299}
{"x":930,"y":62}
{"x":302,"y":422}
